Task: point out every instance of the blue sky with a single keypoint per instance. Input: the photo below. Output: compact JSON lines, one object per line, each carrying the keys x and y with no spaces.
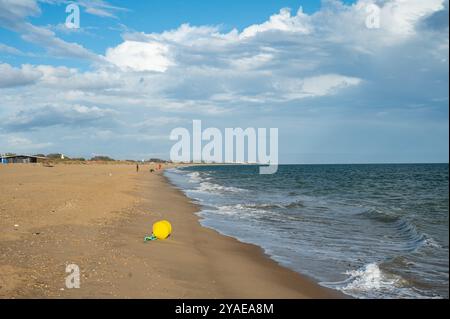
{"x":338,"y":91}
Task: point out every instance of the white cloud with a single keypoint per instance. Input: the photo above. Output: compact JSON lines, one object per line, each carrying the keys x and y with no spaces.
{"x":282,"y":21}
{"x":139,"y":56}
{"x":14,"y":16}
{"x":311,"y":55}
{"x":19,"y":143}
{"x":252,"y":62}
{"x":401,"y":17}
{"x":53,"y":115}
{"x":290,"y":57}
{"x":12,"y":77}
{"x":318,"y":85}
{"x":14,"y":11}
{"x":10,"y":50}
{"x":46,"y":38}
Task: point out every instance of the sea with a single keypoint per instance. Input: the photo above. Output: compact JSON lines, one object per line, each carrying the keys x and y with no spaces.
{"x":369,"y":231}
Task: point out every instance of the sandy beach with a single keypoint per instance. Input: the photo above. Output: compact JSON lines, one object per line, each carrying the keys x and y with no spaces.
{"x":96,"y":216}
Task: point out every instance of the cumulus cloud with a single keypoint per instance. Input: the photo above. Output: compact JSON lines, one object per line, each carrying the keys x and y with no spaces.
{"x":401,"y":17}
{"x":283,"y":21}
{"x":12,"y":77}
{"x":139,"y":56}
{"x":290,"y":57}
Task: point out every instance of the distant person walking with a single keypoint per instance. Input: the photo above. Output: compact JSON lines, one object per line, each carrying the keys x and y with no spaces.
{"x":137,"y":168}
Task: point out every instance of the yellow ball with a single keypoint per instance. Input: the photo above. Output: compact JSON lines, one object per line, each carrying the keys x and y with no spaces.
{"x":168,"y":225}
{"x":161,"y":230}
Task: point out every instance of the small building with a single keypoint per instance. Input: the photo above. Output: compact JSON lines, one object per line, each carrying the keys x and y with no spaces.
{"x":21,"y":159}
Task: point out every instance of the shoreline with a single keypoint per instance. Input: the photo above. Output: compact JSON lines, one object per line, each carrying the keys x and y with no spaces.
{"x":96,"y":216}
{"x":292,"y":284}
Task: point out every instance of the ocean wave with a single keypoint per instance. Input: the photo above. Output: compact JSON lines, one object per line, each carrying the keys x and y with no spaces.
{"x":370,"y":281}
{"x":264,"y":207}
{"x":270,"y":206}
{"x":242,"y":211}
{"x":239,"y":207}
{"x":252,"y":213}
{"x":208,"y":187}
{"x":377,"y":215}
{"x":430,"y":242}
{"x":295,"y":204}
{"x":197,"y":177}
{"x":238,"y":211}
{"x":405,"y":230}
{"x":267,"y":206}
{"x":194,"y":177}
{"x":409,"y":233}
{"x":175,"y":170}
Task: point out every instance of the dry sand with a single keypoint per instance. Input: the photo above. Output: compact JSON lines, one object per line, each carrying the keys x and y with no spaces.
{"x":96,"y":216}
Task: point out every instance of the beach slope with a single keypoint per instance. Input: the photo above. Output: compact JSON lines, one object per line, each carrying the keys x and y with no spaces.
{"x":96,"y":216}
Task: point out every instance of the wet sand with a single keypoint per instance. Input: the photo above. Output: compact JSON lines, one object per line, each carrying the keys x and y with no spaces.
{"x":96,"y":216}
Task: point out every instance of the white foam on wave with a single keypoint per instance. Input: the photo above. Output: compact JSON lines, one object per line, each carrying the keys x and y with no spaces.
{"x":175,"y":170}
{"x":194,"y":177}
{"x":372,"y":282}
{"x":251,"y":213}
{"x":369,"y":278}
{"x":215,"y":188}
{"x":430,"y":242}
{"x":239,"y":210}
